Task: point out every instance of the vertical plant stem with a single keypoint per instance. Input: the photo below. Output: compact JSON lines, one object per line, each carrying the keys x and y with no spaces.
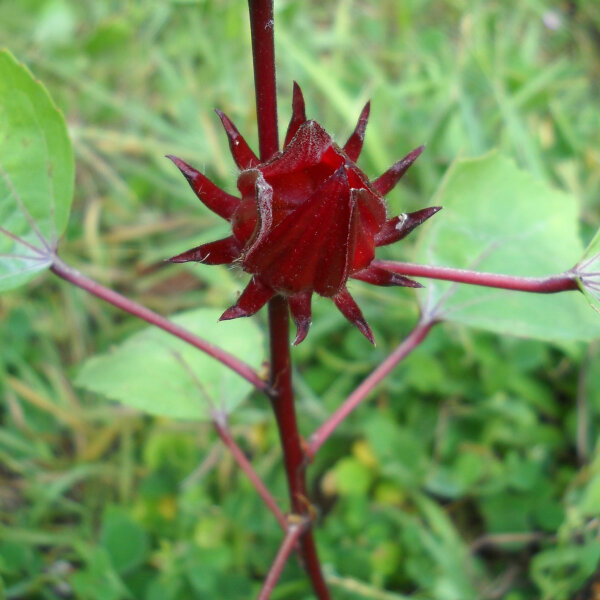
{"x":263,"y":53}
{"x":291,"y":442}
{"x":283,"y":402}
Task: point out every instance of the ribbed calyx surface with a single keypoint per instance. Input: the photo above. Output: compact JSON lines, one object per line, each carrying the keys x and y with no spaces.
{"x":307,"y":220}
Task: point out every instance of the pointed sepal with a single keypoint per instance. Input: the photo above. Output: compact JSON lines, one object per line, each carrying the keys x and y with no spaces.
{"x":214,"y":198}
{"x":221,"y":252}
{"x":242,"y":154}
{"x":386,"y":182}
{"x":348,"y":307}
{"x":301,"y":314}
{"x":298,"y":114}
{"x":383,"y":277}
{"x":399,"y":227}
{"x":253,"y":298}
{"x":354,"y":144}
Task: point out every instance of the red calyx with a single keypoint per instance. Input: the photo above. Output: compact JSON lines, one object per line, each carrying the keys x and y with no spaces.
{"x":307,"y":220}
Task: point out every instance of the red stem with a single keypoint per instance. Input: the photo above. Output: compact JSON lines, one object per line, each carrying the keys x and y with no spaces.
{"x":220,"y":423}
{"x":73,"y":276}
{"x":542,"y":285}
{"x":320,"y":436}
{"x":294,"y":531}
{"x":263,"y":54}
{"x":283,"y":402}
{"x":291,"y":442}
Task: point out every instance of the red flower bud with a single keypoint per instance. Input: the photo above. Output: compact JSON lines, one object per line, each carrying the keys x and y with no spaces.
{"x":307,"y":220}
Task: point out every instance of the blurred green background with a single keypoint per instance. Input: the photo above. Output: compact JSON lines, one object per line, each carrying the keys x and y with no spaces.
{"x":474,"y":473}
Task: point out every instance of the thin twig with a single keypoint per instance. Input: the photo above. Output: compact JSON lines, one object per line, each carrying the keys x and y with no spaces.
{"x":73,"y":276}
{"x":494,"y":540}
{"x":211,"y":459}
{"x":222,"y":427}
{"x":320,"y":436}
{"x":294,"y":531}
{"x":562,"y":282}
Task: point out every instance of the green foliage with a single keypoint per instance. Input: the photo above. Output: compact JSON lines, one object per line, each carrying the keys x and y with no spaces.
{"x":157,"y":373}
{"x":473,"y":473}
{"x":588,"y":270}
{"x":125,"y":541}
{"x":99,"y":579}
{"x":36,"y":174}
{"x":500,"y":219}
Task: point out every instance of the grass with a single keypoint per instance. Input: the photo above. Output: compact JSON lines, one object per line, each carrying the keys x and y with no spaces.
{"x":473,"y":474}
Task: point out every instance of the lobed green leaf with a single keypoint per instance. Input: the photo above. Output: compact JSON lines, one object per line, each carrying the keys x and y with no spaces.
{"x":500,"y":219}
{"x":36,"y":174}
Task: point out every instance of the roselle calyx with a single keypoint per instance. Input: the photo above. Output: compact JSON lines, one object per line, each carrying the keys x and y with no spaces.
{"x":307,"y":220}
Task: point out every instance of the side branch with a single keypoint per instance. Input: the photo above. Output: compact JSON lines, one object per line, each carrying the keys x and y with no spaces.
{"x":553,"y":284}
{"x":73,"y":276}
{"x":222,"y":428}
{"x":322,"y":434}
{"x":294,"y":531}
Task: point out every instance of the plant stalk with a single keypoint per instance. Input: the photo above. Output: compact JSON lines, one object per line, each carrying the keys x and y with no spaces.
{"x":222,"y":428}
{"x":283,"y":403}
{"x":322,"y":433}
{"x":553,"y":284}
{"x":263,"y":56}
{"x":73,"y":276}
{"x":293,"y":532}
{"x":282,"y":399}
{"x":292,"y":445}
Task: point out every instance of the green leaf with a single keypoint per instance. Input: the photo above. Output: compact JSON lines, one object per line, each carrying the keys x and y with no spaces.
{"x":126,"y":542}
{"x":98,"y":580}
{"x":36,"y":174}
{"x":588,"y":271}
{"x":352,"y":477}
{"x":500,"y":219}
{"x":560,"y":570}
{"x":158,"y":373}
